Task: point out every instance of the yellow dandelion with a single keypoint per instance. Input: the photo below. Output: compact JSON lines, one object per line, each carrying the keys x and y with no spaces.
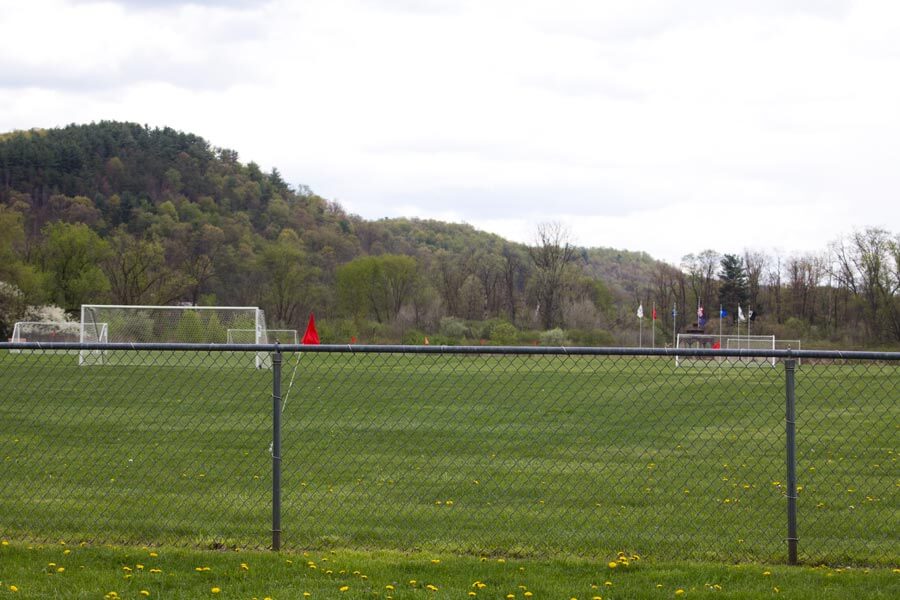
{"x":510,"y":596}
{"x":597,"y":598}
{"x":501,"y":560}
{"x":244,"y":567}
{"x":156,"y":570}
{"x":528,"y":594}
{"x":67,"y":551}
{"x":215,"y":590}
{"x":153,"y":554}
{"x":344,"y":588}
{"x":431,"y":588}
{"x":766,"y":573}
{"x":61,"y":570}
{"x":306,"y":594}
{"x":679,"y":592}
{"x":389,"y":587}
{"x":472,"y":594}
{"x":435,"y":561}
{"x":607,"y":583}
{"x":612,"y":565}
{"x":144,"y":592}
{"x":139,"y":567}
{"x":775,"y":589}
{"x":4,"y":543}
{"x":13,"y":588}
{"x":412,"y":582}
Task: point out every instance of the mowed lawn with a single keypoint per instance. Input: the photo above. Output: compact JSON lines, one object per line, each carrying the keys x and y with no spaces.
{"x":490,"y":456}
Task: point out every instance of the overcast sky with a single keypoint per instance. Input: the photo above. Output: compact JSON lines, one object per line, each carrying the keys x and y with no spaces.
{"x":667,"y":127}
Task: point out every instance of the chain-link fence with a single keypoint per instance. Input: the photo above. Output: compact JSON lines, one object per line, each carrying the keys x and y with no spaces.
{"x":486,"y":451}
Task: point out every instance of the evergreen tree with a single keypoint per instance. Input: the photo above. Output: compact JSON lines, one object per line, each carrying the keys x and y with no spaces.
{"x":733,"y":288}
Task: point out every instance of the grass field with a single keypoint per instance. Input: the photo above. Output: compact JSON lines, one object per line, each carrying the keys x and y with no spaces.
{"x":537,"y":458}
{"x":63,"y":571}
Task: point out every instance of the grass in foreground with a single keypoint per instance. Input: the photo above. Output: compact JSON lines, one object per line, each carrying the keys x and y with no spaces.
{"x":63,"y":571}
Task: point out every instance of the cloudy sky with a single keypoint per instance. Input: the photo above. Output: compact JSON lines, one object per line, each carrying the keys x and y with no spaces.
{"x":654,"y":125}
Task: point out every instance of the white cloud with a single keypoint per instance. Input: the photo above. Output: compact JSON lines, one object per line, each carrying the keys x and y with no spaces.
{"x":649,"y":125}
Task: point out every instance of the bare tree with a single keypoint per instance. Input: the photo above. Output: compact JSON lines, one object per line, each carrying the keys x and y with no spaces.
{"x":551,"y":255}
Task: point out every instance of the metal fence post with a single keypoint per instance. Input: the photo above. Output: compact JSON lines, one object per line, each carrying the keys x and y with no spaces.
{"x":790,"y":424}
{"x":276,"y":449}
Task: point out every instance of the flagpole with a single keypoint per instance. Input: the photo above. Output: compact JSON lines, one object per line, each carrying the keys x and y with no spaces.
{"x":720,"y":324}
{"x":674,"y":323}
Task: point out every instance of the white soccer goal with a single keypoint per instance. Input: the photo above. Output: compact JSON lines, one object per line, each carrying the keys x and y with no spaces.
{"x":729,"y":342}
{"x":47,"y":331}
{"x":168,"y":324}
{"x":751,"y":342}
{"x":248,"y":336}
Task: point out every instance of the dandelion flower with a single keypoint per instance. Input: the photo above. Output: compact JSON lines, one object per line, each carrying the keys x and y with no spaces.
{"x":13,"y":588}
{"x":612,"y":565}
{"x":244,"y":567}
{"x":215,"y":590}
{"x":60,"y":569}
{"x":431,"y":588}
{"x":679,"y":592}
{"x":766,"y":573}
{"x":344,"y":588}
{"x":144,"y":593}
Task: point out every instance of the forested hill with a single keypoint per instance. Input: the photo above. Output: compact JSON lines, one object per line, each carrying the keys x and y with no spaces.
{"x":125,"y":214}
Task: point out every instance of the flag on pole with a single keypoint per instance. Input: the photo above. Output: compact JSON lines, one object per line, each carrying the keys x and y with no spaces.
{"x":311,"y":337}
{"x":640,"y":312}
{"x":722,"y":313}
{"x":741,"y":314}
{"x":751,"y":314}
{"x":654,"y":313}
{"x":699,"y":312}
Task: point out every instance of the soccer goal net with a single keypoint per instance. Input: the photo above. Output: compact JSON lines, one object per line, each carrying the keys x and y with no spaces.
{"x":49,"y":331}
{"x":248,"y":336}
{"x":168,"y":324}
{"x":725,"y":342}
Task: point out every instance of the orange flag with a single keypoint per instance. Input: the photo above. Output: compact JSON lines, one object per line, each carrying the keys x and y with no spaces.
{"x":311,"y":336}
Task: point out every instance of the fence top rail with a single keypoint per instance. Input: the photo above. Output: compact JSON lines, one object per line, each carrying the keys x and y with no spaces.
{"x":401,"y":349}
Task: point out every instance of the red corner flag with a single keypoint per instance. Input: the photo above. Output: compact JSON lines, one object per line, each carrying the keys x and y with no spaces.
{"x":311,"y":336}
{"x":654,"y":313}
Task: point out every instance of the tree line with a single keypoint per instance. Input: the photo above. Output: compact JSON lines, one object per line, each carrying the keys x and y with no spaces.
{"x":126,"y":214}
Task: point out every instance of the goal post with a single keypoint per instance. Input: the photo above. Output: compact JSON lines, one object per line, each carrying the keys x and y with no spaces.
{"x":724,"y":342}
{"x":46,"y":331}
{"x":248,"y":336}
{"x":168,"y":324}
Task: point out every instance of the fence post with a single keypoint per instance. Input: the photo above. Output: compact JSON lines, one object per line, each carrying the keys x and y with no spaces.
{"x":790,"y":423}
{"x":276,"y":449}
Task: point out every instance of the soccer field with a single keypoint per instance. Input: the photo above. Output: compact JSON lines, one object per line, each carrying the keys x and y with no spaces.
{"x":487,"y":455}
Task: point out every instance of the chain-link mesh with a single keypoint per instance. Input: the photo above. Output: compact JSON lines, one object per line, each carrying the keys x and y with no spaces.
{"x":530,"y":453}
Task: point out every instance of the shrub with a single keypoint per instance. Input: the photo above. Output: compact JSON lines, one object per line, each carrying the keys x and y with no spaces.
{"x":553,"y":337}
{"x":504,"y":334}
{"x":453,"y":328}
